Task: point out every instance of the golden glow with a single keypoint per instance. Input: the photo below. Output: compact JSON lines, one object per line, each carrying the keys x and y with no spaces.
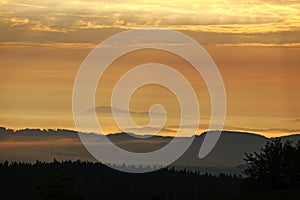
{"x":76,"y":17}
{"x":254,"y":43}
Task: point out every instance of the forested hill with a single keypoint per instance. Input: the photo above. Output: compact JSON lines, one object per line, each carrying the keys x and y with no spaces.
{"x":227,"y":156}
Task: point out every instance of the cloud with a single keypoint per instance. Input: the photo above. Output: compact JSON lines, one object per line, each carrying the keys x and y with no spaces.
{"x":53,"y":45}
{"x":47,"y":28}
{"x":282,"y":130}
{"x":281,"y":2}
{"x":247,"y":129}
{"x":22,"y":4}
{"x":150,"y":130}
{"x":294,"y":120}
{"x":260,"y":45}
{"x":81,"y":24}
{"x":16,"y":21}
{"x":234,"y":21}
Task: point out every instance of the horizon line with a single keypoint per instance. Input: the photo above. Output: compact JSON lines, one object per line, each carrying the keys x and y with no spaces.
{"x":130,"y":133}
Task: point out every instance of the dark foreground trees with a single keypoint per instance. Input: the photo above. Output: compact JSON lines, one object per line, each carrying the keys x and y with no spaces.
{"x":57,"y":185}
{"x":276,"y":166}
{"x":87,"y":180}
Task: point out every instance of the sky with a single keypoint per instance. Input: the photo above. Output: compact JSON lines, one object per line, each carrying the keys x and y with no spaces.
{"x":255,"y":44}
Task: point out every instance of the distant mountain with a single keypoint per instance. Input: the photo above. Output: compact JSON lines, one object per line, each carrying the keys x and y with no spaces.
{"x":108,"y":110}
{"x":33,"y":144}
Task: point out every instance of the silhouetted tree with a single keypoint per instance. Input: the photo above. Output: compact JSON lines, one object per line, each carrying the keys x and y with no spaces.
{"x":275,"y":166}
{"x":297,"y":155}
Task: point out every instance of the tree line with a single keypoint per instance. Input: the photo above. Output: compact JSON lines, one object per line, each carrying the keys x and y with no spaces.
{"x":273,"y":173}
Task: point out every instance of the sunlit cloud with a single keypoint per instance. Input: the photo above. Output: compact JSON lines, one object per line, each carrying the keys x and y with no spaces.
{"x":52,"y":45}
{"x":21,"y":4}
{"x":15,"y":21}
{"x":226,"y":17}
{"x":81,"y":24}
{"x":260,"y":45}
{"x":46,"y":28}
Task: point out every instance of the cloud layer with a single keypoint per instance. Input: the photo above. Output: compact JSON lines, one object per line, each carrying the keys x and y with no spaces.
{"x":216,"y":22}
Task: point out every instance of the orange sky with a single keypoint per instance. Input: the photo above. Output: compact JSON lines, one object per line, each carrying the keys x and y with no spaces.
{"x":255,"y":45}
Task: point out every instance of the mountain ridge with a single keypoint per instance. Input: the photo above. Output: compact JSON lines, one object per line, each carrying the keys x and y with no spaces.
{"x":29,"y":145}
{"x":47,"y":130}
